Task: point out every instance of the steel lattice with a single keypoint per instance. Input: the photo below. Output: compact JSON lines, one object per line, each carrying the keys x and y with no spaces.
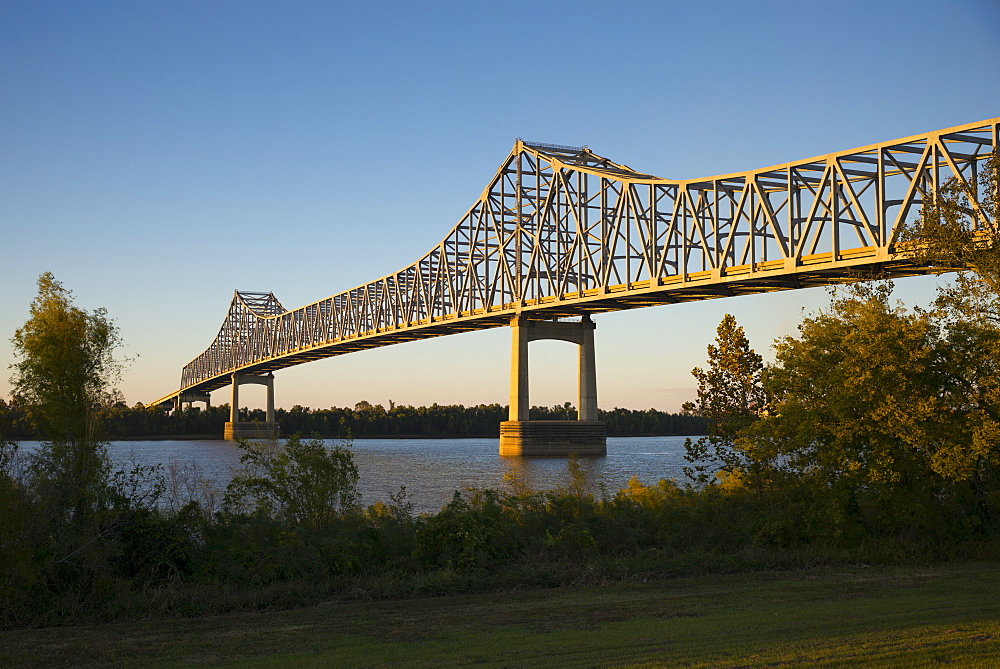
{"x":562,"y":231}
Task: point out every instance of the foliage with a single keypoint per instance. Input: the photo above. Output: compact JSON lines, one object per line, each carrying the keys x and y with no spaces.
{"x":874,"y":419}
{"x":65,"y":511}
{"x":17,"y":569}
{"x":876,"y":413}
{"x":959,"y":229}
{"x":847,"y":394}
{"x":293,"y":549}
{"x":731,"y":398}
{"x":121,"y":421}
{"x":66,"y":367}
{"x":304,"y":482}
{"x":66,"y":371}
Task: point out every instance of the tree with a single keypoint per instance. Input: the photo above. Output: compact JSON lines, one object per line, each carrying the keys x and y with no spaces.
{"x":66,"y":367}
{"x":304,"y":482}
{"x":731,"y":398}
{"x":959,"y":229}
{"x":874,"y":409}
{"x":848,"y":389}
{"x":65,"y":370}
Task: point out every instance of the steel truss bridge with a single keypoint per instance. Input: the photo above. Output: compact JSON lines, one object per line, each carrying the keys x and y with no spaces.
{"x":560,"y":231}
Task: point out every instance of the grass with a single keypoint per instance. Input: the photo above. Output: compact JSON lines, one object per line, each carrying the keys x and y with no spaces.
{"x":898,"y":616}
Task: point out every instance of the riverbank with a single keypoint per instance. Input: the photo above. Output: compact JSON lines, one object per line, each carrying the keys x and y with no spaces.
{"x":886,"y":616}
{"x":430,"y":469}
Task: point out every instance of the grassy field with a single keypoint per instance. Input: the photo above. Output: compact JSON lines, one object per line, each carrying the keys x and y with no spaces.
{"x":901,"y":616}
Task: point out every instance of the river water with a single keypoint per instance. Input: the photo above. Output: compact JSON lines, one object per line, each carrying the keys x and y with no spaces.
{"x":430,"y":469}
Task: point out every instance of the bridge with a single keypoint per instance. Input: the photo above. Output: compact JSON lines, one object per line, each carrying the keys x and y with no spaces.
{"x":561,"y":233}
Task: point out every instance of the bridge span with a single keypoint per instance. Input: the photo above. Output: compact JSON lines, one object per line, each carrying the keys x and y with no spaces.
{"x":561,"y":232}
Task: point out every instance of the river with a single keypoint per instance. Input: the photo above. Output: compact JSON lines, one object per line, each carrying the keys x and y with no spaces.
{"x":430,"y":469}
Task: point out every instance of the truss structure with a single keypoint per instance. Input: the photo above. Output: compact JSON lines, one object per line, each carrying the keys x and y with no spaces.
{"x":561,"y":231}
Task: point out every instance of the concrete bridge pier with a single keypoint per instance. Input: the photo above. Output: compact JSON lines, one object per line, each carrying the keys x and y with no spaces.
{"x":237,"y":429}
{"x":190,"y":398}
{"x":585,"y":436}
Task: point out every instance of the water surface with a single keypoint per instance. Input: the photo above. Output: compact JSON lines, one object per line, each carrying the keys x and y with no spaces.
{"x":430,"y":469}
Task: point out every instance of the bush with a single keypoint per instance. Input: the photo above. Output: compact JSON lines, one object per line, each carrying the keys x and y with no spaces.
{"x":303,"y":482}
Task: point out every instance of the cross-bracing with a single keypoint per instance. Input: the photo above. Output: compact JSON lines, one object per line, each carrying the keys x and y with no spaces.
{"x":560,"y":232}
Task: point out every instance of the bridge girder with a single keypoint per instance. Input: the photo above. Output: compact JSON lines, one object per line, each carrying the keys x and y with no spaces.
{"x":561,"y":231}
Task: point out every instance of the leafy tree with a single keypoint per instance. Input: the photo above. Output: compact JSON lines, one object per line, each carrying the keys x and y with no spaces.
{"x":66,"y":365}
{"x":731,"y":398}
{"x":848,"y":391}
{"x":66,"y":373}
{"x":64,"y":511}
{"x":305,"y":482}
{"x":967,"y":443}
{"x":959,"y":229}
{"x":874,"y":411}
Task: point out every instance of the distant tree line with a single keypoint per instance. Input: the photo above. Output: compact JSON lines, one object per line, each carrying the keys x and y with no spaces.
{"x":364,"y":420}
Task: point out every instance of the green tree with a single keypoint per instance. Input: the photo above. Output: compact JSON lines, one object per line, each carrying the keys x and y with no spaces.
{"x":874,"y":411}
{"x":64,"y":510}
{"x":959,"y":229}
{"x":731,"y":398}
{"x":65,"y":371}
{"x":849,"y":389}
{"x":66,"y":366}
{"x":305,"y":482}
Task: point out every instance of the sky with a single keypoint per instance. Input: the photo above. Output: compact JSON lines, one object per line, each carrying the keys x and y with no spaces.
{"x":157,"y":156}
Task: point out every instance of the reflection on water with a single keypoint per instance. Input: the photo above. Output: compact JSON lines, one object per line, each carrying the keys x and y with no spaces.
{"x":433,"y":469}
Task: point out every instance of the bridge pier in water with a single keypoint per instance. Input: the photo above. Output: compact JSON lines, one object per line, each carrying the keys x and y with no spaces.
{"x":607,"y":237}
{"x":237,"y":429}
{"x":520,"y":436}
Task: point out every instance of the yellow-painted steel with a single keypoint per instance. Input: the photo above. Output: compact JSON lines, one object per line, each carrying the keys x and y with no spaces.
{"x":561,"y":231}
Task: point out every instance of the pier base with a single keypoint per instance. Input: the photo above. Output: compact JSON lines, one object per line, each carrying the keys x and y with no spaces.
{"x":247,"y":430}
{"x":553,"y":437}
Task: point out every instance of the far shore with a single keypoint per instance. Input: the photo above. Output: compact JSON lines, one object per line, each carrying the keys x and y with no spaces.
{"x":218,"y":437}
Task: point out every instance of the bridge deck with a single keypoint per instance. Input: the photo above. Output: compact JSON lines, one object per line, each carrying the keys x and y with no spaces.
{"x":561,"y":231}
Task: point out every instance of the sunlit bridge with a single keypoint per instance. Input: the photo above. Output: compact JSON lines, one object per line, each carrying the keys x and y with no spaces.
{"x":561,"y":233}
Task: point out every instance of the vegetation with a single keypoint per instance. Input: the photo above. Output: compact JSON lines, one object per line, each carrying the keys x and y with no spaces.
{"x":289,"y":533}
{"x":730,"y":397}
{"x":906,"y":431}
{"x":860,"y":616}
{"x":60,"y":505}
{"x":959,"y":230}
{"x":874,"y":418}
{"x":364,"y":420}
{"x":302,"y":483}
{"x":65,"y":371}
{"x":874,"y":438}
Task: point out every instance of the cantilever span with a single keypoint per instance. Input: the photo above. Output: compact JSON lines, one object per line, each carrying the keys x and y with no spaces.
{"x":561,"y":231}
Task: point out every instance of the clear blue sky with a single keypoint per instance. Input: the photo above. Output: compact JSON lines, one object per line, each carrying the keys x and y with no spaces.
{"x":155,"y":156}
